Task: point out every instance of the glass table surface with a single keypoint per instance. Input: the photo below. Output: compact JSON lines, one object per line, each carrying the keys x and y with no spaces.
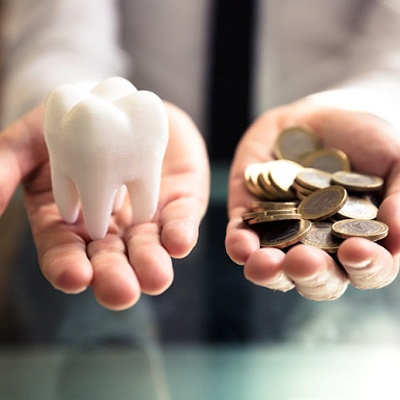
{"x":197,"y":372}
{"x":207,"y":372}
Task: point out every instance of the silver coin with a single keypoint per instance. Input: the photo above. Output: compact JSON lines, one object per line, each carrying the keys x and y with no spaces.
{"x":320,"y":235}
{"x":313,"y":178}
{"x":358,"y":208}
{"x":295,"y":142}
{"x":356,"y":181}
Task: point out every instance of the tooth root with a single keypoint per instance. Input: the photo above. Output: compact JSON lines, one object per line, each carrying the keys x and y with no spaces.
{"x":119,"y":198}
{"x":97,"y":200}
{"x":143,"y":195}
{"x":66,"y":196}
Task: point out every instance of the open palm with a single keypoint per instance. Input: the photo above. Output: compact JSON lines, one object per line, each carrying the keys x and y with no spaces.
{"x":131,"y":259}
{"x":373,"y":147}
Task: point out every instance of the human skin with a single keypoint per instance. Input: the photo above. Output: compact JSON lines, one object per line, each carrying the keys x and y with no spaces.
{"x":134,"y":259}
{"x":373,"y":147}
{"x":131,"y":259}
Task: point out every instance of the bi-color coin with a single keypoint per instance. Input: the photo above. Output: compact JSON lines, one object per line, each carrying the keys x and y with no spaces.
{"x":323,"y":203}
{"x":313,"y":178}
{"x":327,"y":159}
{"x":356,"y":181}
{"x":285,"y":234}
{"x":370,"y":229}
{"x":295,"y":142}
{"x":320,"y":235}
{"x":358,"y":208}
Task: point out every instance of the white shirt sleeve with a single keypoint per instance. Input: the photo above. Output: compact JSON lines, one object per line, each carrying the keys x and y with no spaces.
{"x":49,"y":42}
{"x":372,"y":70}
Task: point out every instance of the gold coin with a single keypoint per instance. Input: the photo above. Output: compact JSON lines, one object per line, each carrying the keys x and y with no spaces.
{"x":263,"y":180}
{"x":358,"y":208}
{"x":254,"y":214}
{"x":286,"y":233}
{"x":295,"y":142}
{"x":327,"y":159}
{"x":320,"y":235}
{"x":323,"y":203}
{"x":302,"y":195}
{"x":268,"y":191}
{"x":272,"y":191}
{"x":369,"y":229}
{"x":313,"y":178}
{"x":265,"y":213}
{"x":272,"y":205}
{"x":356,"y":181}
{"x":274,"y":218}
{"x":282,"y":212}
{"x":250,"y":175}
{"x":282,"y":174}
{"x":301,"y":191}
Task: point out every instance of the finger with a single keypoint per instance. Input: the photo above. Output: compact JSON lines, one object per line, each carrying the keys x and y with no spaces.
{"x":315,"y":273}
{"x":361,"y":136}
{"x":255,"y":146}
{"x":185,"y":185}
{"x":114,"y":282}
{"x":150,"y":260}
{"x":186,"y":155}
{"x":22,"y":149}
{"x":180,"y":222}
{"x":263,"y":268}
{"x":389,"y":212}
{"x":369,"y":265}
{"x":61,"y":251}
{"x":240,"y":242}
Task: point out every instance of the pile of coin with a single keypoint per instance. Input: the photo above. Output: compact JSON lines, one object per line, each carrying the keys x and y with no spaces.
{"x":309,"y":194}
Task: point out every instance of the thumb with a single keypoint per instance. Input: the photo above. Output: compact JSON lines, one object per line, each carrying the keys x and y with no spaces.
{"x":22,"y":151}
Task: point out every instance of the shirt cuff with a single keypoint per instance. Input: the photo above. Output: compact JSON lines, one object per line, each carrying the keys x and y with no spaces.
{"x":359,"y":100}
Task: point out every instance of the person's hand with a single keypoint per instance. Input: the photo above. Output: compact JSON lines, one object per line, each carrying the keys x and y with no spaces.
{"x":373,"y":147}
{"x":131,"y":259}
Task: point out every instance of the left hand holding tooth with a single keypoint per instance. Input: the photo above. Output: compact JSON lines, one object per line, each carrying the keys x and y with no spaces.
{"x":132,"y":258}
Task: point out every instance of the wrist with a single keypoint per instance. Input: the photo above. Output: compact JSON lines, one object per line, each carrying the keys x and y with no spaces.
{"x":357,"y":100}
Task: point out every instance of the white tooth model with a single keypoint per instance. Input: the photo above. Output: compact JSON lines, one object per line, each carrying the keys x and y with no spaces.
{"x":101,"y":141}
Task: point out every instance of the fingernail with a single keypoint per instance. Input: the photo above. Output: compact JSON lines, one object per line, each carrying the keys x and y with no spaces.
{"x":358,"y":265}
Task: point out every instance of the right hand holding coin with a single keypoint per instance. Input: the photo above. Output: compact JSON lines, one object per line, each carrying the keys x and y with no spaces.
{"x":373,"y":148}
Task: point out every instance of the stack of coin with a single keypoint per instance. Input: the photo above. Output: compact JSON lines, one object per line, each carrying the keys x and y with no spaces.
{"x":272,"y":180}
{"x":319,"y":202}
{"x":302,"y":145}
{"x":310,"y":179}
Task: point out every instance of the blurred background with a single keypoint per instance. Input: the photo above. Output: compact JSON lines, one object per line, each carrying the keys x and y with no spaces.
{"x":212,"y":335}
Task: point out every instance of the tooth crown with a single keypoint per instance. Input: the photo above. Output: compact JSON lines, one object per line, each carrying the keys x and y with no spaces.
{"x":100,"y":141}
